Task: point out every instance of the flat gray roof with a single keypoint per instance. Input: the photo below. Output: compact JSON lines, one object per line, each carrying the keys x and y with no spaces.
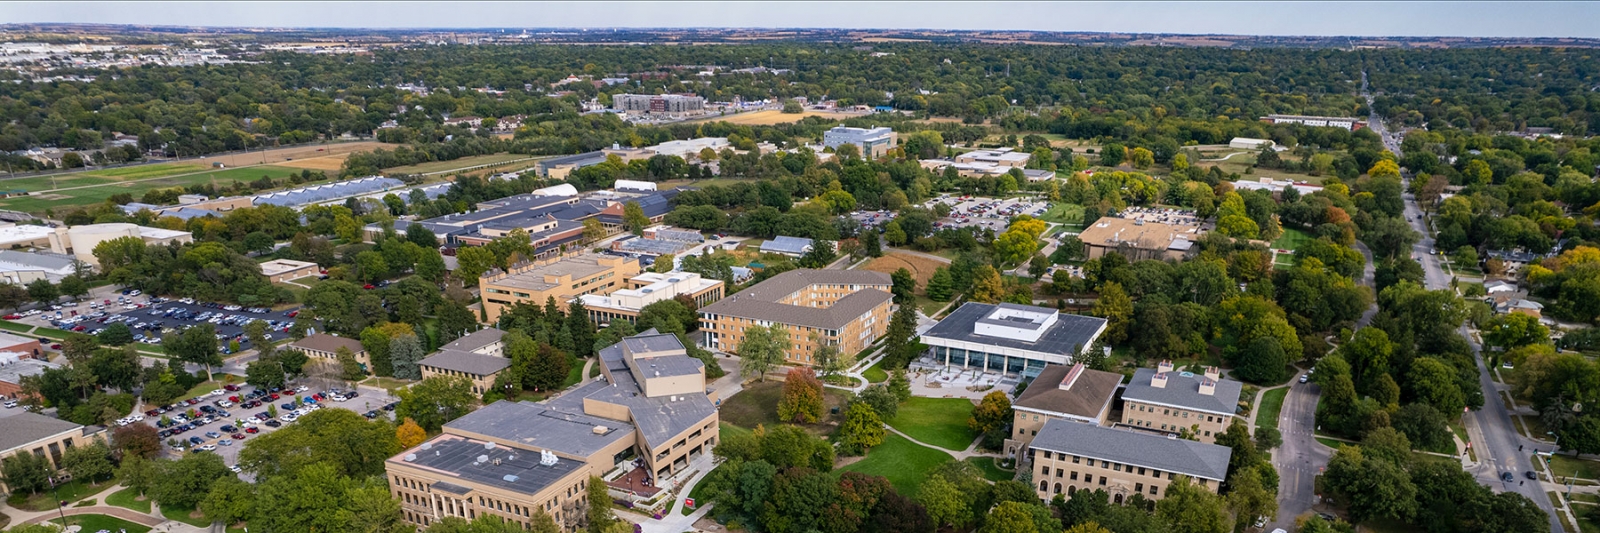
{"x":537,"y":426}
{"x":1187,"y":457}
{"x":517,"y":470}
{"x":580,"y":266}
{"x":22,"y":428}
{"x":469,"y":362}
{"x":1183,"y":390}
{"x":475,"y":340}
{"x":657,"y":419}
{"x":760,"y":302}
{"x":1068,"y":336}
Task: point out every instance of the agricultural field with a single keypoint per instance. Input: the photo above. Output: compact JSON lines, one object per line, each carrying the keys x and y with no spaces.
{"x":328,"y":156}
{"x":465,"y":162}
{"x":770,"y":117}
{"x":96,"y":186}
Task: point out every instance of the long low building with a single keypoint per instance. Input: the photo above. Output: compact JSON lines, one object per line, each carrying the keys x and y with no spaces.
{"x":1070,"y":456}
{"x":847,"y":309}
{"x":1074,"y":393}
{"x":1139,"y":240}
{"x":43,"y":436}
{"x":649,"y":417}
{"x":649,"y":288}
{"x":1011,"y":339}
{"x":563,"y":279}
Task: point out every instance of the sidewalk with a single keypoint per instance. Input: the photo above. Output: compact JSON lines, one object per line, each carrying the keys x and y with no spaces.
{"x":153,"y":519}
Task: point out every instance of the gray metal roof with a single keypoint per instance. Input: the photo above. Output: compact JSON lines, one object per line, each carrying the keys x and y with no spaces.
{"x":652,"y":246}
{"x":760,"y":302}
{"x":47,"y":261}
{"x":22,"y":428}
{"x":1068,"y":336}
{"x":472,"y":363}
{"x":323,"y":193}
{"x":475,"y":340}
{"x":786,"y":245}
{"x":537,"y":426}
{"x":1191,"y":458}
{"x":657,"y":419}
{"x":1183,"y":390}
{"x":518,"y":470}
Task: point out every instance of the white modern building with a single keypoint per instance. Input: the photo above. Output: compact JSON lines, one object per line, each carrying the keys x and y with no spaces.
{"x":1247,"y":143}
{"x":874,"y":142}
{"x":1011,"y":339}
{"x":690,"y":148}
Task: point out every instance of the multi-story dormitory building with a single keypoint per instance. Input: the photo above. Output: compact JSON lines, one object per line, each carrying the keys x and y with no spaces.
{"x":849,"y":309}
{"x":650,"y":415}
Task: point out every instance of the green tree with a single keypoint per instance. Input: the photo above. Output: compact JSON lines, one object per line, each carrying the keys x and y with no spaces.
{"x":116,"y":334}
{"x":1009,"y":517}
{"x":1141,"y":158}
{"x":230,"y":501}
{"x":944,"y":501}
{"x":340,"y":438}
{"x":599,"y":512}
{"x":881,"y":399}
{"x":871,"y":243}
{"x":436,"y":400}
{"x":633,"y":218}
{"x":1249,"y":497}
{"x":1189,"y":508}
{"x":904,"y":286}
{"x":455,"y":321}
{"x":74,"y":286}
{"x":90,"y":462}
{"x":25,"y":473}
{"x":186,"y":481}
{"x":763,"y":348}
{"x":1374,"y":488}
{"x":138,"y":473}
{"x":1434,"y":382}
{"x":941,"y":286}
{"x":862,"y":428}
{"x":472,"y":262}
{"x":1116,"y":307}
{"x":43,"y":291}
{"x":993,"y":412}
{"x":404,"y":353}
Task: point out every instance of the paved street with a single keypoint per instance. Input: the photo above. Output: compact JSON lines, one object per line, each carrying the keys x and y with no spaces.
{"x":1300,"y":458}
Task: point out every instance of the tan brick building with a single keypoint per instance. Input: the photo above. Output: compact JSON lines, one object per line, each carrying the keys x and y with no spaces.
{"x":1137,"y":240}
{"x":563,"y":279}
{"x":1074,"y":393}
{"x":479,"y":356}
{"x":1164,"y":400}
{"x":848,"y":309}
{"x":1069,"y":456}
{"x":649,"y":288}
{"x":281,"y":270}
{"x":42,"y":436}
{"x":649,"y":416}
{"x":327,"y":346}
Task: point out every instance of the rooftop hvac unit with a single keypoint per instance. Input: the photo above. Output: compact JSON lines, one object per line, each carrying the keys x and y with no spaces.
{"x":510,"y":478}
{"x":427,"y":446}
{"x":546,"y":458}
{"x":411,"y":457}
{"x":483,"y":459}
{"x":488,"y":445}
{"x":600,"y":430}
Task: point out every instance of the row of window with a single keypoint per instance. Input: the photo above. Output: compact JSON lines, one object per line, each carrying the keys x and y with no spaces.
{"x":1171,"y":412}
{"x":1117,"y":467}
{"x":1137,"y":488}
{"x":1164,"y":427}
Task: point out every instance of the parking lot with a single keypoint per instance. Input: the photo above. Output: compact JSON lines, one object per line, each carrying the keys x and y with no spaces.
{"x":872,"y":219}
{"x":986,"y":213}
{"x":220,"y":429}
{"x":152,"y":318}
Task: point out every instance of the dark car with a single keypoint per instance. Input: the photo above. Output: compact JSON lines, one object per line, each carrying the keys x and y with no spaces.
{"x":391,"y":406}
{"x":196,"y":440}
{"x":1530,"y":475}
{"x":229,"y":428}
{"x":287,"y":406}
{"x":1506,"y":477}
{"x":231,"y":388}
{"x":352,"y":394}
{"x":371,"y":414}
{"x":274,"y":423}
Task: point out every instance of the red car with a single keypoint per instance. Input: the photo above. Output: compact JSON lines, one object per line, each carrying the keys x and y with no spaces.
{"x":80,"y":328}
{"x":368,"y":286}
{"x":273,"y":395}
{"x":12,"y":317}
{"x":237,"y":436}
{"x":234,"y":399}
{"x":251,"y":430}
{"x":231,"y":388}
{"x":56,"y":346}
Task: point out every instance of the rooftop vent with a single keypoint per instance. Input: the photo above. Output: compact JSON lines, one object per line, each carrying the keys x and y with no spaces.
{"x":1159,"y":380}
{"x":427,"y":446}
{"x":1072,"y":376}
{"x":488,"y":445}
{"x":1164,"y":366}
{"x":546,"y":458}
{"x":1208,"y":387}
{"x":495,"y":462}
{"x":600,"y":430}
{"x":483,"y":459}
{"x":1213,"y":372}
{"x":411,"y":457}
{"x":510,"y":478}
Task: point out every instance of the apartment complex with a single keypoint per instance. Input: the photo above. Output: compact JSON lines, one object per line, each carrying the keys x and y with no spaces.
{"x":657,"y":103}
{"x":1139,"y":239}
{"x":1073,"y":393}
{"x":1165,"y":401}
{"x":848,"y":309}
{"x":649,"y":288}
{"x":42,"y":436}
{"x":478,"y":356}
{"x":874,"y":142}
{"x":1068,"y":456}
{"x":1011,"y":339}
{"x":1349,"y":123}
{"x":327,"y":347}
{"x":563,"y":279}
{"x":517,"y":459}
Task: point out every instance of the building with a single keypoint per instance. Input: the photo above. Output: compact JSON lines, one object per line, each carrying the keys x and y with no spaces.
{"x":1269,"y":184}
{"x":690,"y":148}
{"x":13,"y":369}
{"x":14,"y":235}
{"x":655,"y":206}
{"x":1068,"y":456}
{"x":327,"y":193}
{"x":327,"y":347}
{"x":630,"y":185}
{"x":649,"y":247}
{"x":1010,"y":338}
{"x":641,"y":425}
{"x":985,"y":169}
{"x":1138,"y":239}
{"x":847,"y":309}
{"x":1165,"y":401}
{"x":790,"y":246}
{"x":563,"y":279}
{"x":1073,"y":393}
{"x":1247,"y":143}
{"x":1003,"y":157}
{"x":81,"y":240}
{"x":649,"y":288}
{"x":1499,"y":286}
{"x":1519,"y":305}
{"x":874,"y":142}
{"x":1348,"y":123}
{"x":15,"y":347}
{"x":478,"y":356}
{"x":560,"y":167}
{"x":42,"y":436}
{"x":21,"y":268}
{"x":657,"y":103}
{"x":279,"y":270}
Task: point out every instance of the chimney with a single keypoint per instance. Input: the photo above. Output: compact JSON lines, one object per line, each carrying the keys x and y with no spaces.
{"x":1208,"y":386}
{"x":1213,"y":373}
{"x":1072,"y":376}
{"x":1159,"y":380}
{"x":1164,"y":366}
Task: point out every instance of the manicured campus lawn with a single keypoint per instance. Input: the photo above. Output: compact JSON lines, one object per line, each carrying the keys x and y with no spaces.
{"x":182,"y":515}
{"x":1566,"y":465}
{"x":876,"y":373}
{"x":991,"y":470}
{"x":48,"y":195}
{"x":941,"y":422}
{"x":99,"y":522}
{"x":128,"y":498}
{"x":1292,"y":239}
{"x":1064,"y":213}
{"x":757,"y":405}
{"x":465,"y":162}
{"x":903,"y":462}
{"x":1271,"y":405}
{"x":71,"y":491}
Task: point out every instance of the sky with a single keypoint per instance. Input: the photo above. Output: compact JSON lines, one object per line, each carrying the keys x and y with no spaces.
{"x":1281,"y":17}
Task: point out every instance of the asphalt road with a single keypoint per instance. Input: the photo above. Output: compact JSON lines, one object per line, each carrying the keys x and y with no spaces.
{"x":1300,"y":458}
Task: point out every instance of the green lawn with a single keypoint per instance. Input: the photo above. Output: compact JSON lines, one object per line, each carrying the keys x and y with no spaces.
{"x":128,"y":498}
{"x":903,"y":462}
{"x":876,"y":373}
{"x":100,"y":522}
{"x":71,"y":491}
{"x":1064,"y":213}
{"x":1566,"y":465}
{"x":14,"y":326}
{"x":574,"y":372}
{"x":698,"y":493}
{"x":182,"y":515}
{"x":991,"y":469}
{"x":98,"y":188}
{"x":757,"y":405}
{"x":941,"y":422}
{"x":1292,"y":239}
{"x":470,"y":161}
{"x":1330,"y":442}
{"x":1271,"y":405}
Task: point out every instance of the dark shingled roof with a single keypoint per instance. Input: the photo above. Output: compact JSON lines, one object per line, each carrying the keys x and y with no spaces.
{"x":761,"y":301}
{"x":472,"y":363}
{"x":22,"y":428}
{"x":328,"y":343}
{"x":1191,"y":458}
{"x":1088,"y":396}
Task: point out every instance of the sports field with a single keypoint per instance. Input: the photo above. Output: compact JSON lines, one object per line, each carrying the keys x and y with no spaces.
{"x":95,"y":186}
{"x":768,"y":117}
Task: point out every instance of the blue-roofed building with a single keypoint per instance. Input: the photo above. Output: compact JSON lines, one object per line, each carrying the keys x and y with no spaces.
{"x":655,"y":206}
{"x":316,"y":194}
{"x":784,"y":245}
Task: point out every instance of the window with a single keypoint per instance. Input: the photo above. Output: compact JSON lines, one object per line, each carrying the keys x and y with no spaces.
{"x":1102,"y":481}
{"x":1074,"y":476}
{"x":1060,"y":472}
{"x":1044,"y":486}
{"x":1074,"y":459}
{"x":1138,"y":487}
{"x":1155,"y":473}
{"x":1152,"y":490}
{"x":1045,"y":471}
{"x":1141,"y":470}
{"x":1058,"y":488}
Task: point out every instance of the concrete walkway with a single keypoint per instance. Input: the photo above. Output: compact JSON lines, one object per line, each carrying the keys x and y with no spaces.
{"x":153,"y":519}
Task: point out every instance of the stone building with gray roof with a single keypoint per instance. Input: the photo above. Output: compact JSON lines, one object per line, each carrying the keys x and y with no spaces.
{"x":42,"y":436}
{"x":1168,"y":401}
{"x":1069,"y":456}
{"x":848,"y":309}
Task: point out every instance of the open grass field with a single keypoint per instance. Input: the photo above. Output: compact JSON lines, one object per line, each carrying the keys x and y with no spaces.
{"x":901,"y":461}
{"x":757,"y":405}
{"x":98,"y":187}
{"x":941,"y":422}
{"x":991,"y":470}
{"x":1566,"y":465}
{"x":1271,"y":406}
{"x":465,"y":162}
{"x":99,"y":522}
{"x":291,"y":154}
{"x":770,"y":117}
{"x":129,"y":499}
{"x":1238,"y":164}
{"x":1292,"y":239}
{"x":876,"y":373}
{"x":71,"y":491}
{"x":1064,"y":213}
{"x":921,"y":267}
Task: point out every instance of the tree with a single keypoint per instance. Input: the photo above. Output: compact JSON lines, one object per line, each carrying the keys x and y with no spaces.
{"x":894,"y":234}
{"x":987,"y":287}
{"x":1189,"y":508}
{"x":73,"y":286}
{"x":1112,"y":154}
{"x":1249,"y":497}
{"x":230,"y":501}
{"x":1512,"y":330}
{"x":340,"y":438}
{"x":435,"y":400}
{"x":945,"y":503}
{"x":404,"y":353}
{"x":599,"y":511}
{"x":1434,"y":382}
{"x":820,"y":254}
{"x":421,"y":236}
{"x":137,"y":440}
{"x":1116,"y":307}
{"x":633,"y":218}
{"x":1015,"y":246}
{"x":899,"y":342}
{"x":25,"y":472}
{"x":802,"y":397}
{"x":900,"y":385}
{"x":941,"y":286}
{"x":265,"y":373}
{"x":763,"y":348}
{"x":455,"y":321}
{"x":349,"y":368}
{"x":1009,"y":517}
{"x":183,"y":483}
{"x":43,"y":291}
{"x":991,"y":413}
{"x":1141,"y":158}
{"x":827,"y":359}
{"x":871,"y":243}
{"x":196,"y":345}
{"x":312,"y":499}
{"x":547,"y":370}
{"x":1264,"y":361}
{"x":472,"y":262}
{"x":904,"y":286}
{"x":1374,"y":488}
{"x":138,"y":473}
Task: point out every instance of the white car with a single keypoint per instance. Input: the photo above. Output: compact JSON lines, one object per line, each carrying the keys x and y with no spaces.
{"x":209,"y":447}
{"x":235,"y":469}
{"x":302,"y":388}
{"x":218,"y":392}
{"x":11,"y":404}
